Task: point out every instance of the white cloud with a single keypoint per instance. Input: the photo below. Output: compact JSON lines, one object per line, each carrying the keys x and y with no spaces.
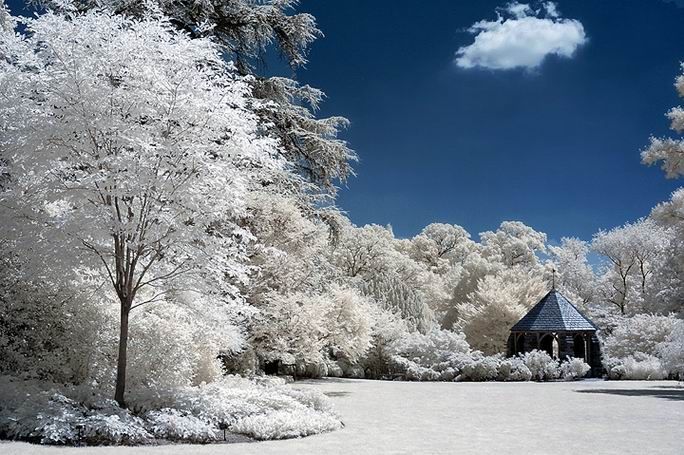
{"x":521,"y":37}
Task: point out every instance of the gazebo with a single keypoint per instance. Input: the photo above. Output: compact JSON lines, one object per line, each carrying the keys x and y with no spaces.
{"x":556,"y":326}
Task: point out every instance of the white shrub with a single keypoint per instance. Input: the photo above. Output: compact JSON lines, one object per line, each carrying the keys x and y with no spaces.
{"x":573,"y":368}
{"x":444,"y":356}
{"x":387,"y":328}
{"x":413,"y":371}
{"x":640,"y":333}
{"x":672,"y":351}
{"x":617,"y":371}
{"x":644,"y":367}
{"x":175,"y":425}
{"x":45,"y":413}
{"x":480,"y":368}
{"x":265,"y":409}
{"x":423,"y":357}
{"x":249,"y":408}
{"x":541,"y":365}
{"x":637,"y":367}
{"x":431,"y":348}
{"x":514,"y":369}
{"x":284,"y":424}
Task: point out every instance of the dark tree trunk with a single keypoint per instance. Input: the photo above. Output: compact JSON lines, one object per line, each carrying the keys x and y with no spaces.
{"x":121,"y":361}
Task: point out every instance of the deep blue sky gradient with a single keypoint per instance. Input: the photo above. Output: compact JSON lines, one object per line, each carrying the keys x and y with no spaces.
{"x":557,"y":148}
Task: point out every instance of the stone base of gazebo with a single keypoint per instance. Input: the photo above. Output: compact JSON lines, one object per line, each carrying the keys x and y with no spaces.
{"x":560,"y":345}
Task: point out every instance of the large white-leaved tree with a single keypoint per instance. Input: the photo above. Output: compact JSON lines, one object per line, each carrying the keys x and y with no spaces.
{"x":247,"y":31}
{"x":128,"y":149}
{"x":669,"y":152}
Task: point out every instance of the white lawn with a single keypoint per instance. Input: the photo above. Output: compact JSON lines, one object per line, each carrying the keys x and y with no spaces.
{"x":456,"y":418}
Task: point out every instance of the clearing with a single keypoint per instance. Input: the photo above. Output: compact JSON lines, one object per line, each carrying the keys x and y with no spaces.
{"x":382,"y":417}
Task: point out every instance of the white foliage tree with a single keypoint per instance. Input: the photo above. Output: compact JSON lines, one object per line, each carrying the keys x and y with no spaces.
{"x":668,"y":279}
{"x":499,"y":301}
{"x":371,"y":259}
{"x":512,"y":246}
{"x":246,"y":30}
{"x":633,"y":251}
{"x":513,"y":243}
{"x":669,"y":152}
{"x":576,"y":277}
{"x":641,"y":333}
{"x":129,"y":148}
{"x":440,"y":245}
{"x":301,"y":329}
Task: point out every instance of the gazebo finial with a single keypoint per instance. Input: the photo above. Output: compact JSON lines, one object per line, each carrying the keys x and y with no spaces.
{"x":553,"y":279}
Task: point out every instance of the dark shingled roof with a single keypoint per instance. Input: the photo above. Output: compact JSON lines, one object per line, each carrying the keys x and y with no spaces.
{"x":553,"y":313}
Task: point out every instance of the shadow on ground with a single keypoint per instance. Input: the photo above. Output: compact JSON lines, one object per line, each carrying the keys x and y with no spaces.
{"x":667,"y":392}
{"x":321,"y":381}
{"x":336,"y":394}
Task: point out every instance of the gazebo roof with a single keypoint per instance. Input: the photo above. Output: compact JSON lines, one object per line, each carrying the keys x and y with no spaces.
{"x":554,"y":313}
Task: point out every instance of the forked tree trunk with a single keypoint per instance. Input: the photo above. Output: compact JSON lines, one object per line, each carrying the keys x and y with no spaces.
{"x":122,"y":360}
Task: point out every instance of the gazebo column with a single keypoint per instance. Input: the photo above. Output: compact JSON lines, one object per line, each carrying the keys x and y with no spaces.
{"x":515,"y":342}
{"x":587,"y":350}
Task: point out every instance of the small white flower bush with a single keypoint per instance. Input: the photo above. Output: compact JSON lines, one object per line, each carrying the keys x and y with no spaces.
{"x":50,"y":414}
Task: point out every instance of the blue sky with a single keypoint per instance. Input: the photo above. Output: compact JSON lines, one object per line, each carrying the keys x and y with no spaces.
{"x":555,"y":145}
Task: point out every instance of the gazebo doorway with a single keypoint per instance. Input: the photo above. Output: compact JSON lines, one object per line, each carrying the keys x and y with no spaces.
{"x":579,"y":347}
{"x":549,"y":343}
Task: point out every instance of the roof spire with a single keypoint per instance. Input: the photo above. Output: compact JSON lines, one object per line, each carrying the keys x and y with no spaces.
{"x":553,"y":279}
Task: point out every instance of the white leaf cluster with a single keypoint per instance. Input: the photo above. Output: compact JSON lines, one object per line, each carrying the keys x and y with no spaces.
{"x":669,"y":152}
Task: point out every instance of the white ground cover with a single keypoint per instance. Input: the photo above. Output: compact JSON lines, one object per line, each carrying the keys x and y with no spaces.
{"x":590,"y":416}
{"x":261,"y":409}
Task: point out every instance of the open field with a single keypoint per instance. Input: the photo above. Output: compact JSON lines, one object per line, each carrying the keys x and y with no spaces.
{"x":432,"y":418}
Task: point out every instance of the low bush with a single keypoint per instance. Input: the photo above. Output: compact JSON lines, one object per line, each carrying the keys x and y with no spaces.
{"x":639,"y":333}
{"x":637,"y":367}
{"x":671,"y":351}
{"x":573,"y":369}
{"x":514,"y":369}
{"x":265,"y":409}
{"x":479,"y":367}
{"x":542,"y":366}
{"x":443,"y":355}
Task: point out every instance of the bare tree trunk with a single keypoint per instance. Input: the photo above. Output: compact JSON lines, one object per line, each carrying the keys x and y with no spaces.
{"x":623,"y":300}
{"x":122,"y":360}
